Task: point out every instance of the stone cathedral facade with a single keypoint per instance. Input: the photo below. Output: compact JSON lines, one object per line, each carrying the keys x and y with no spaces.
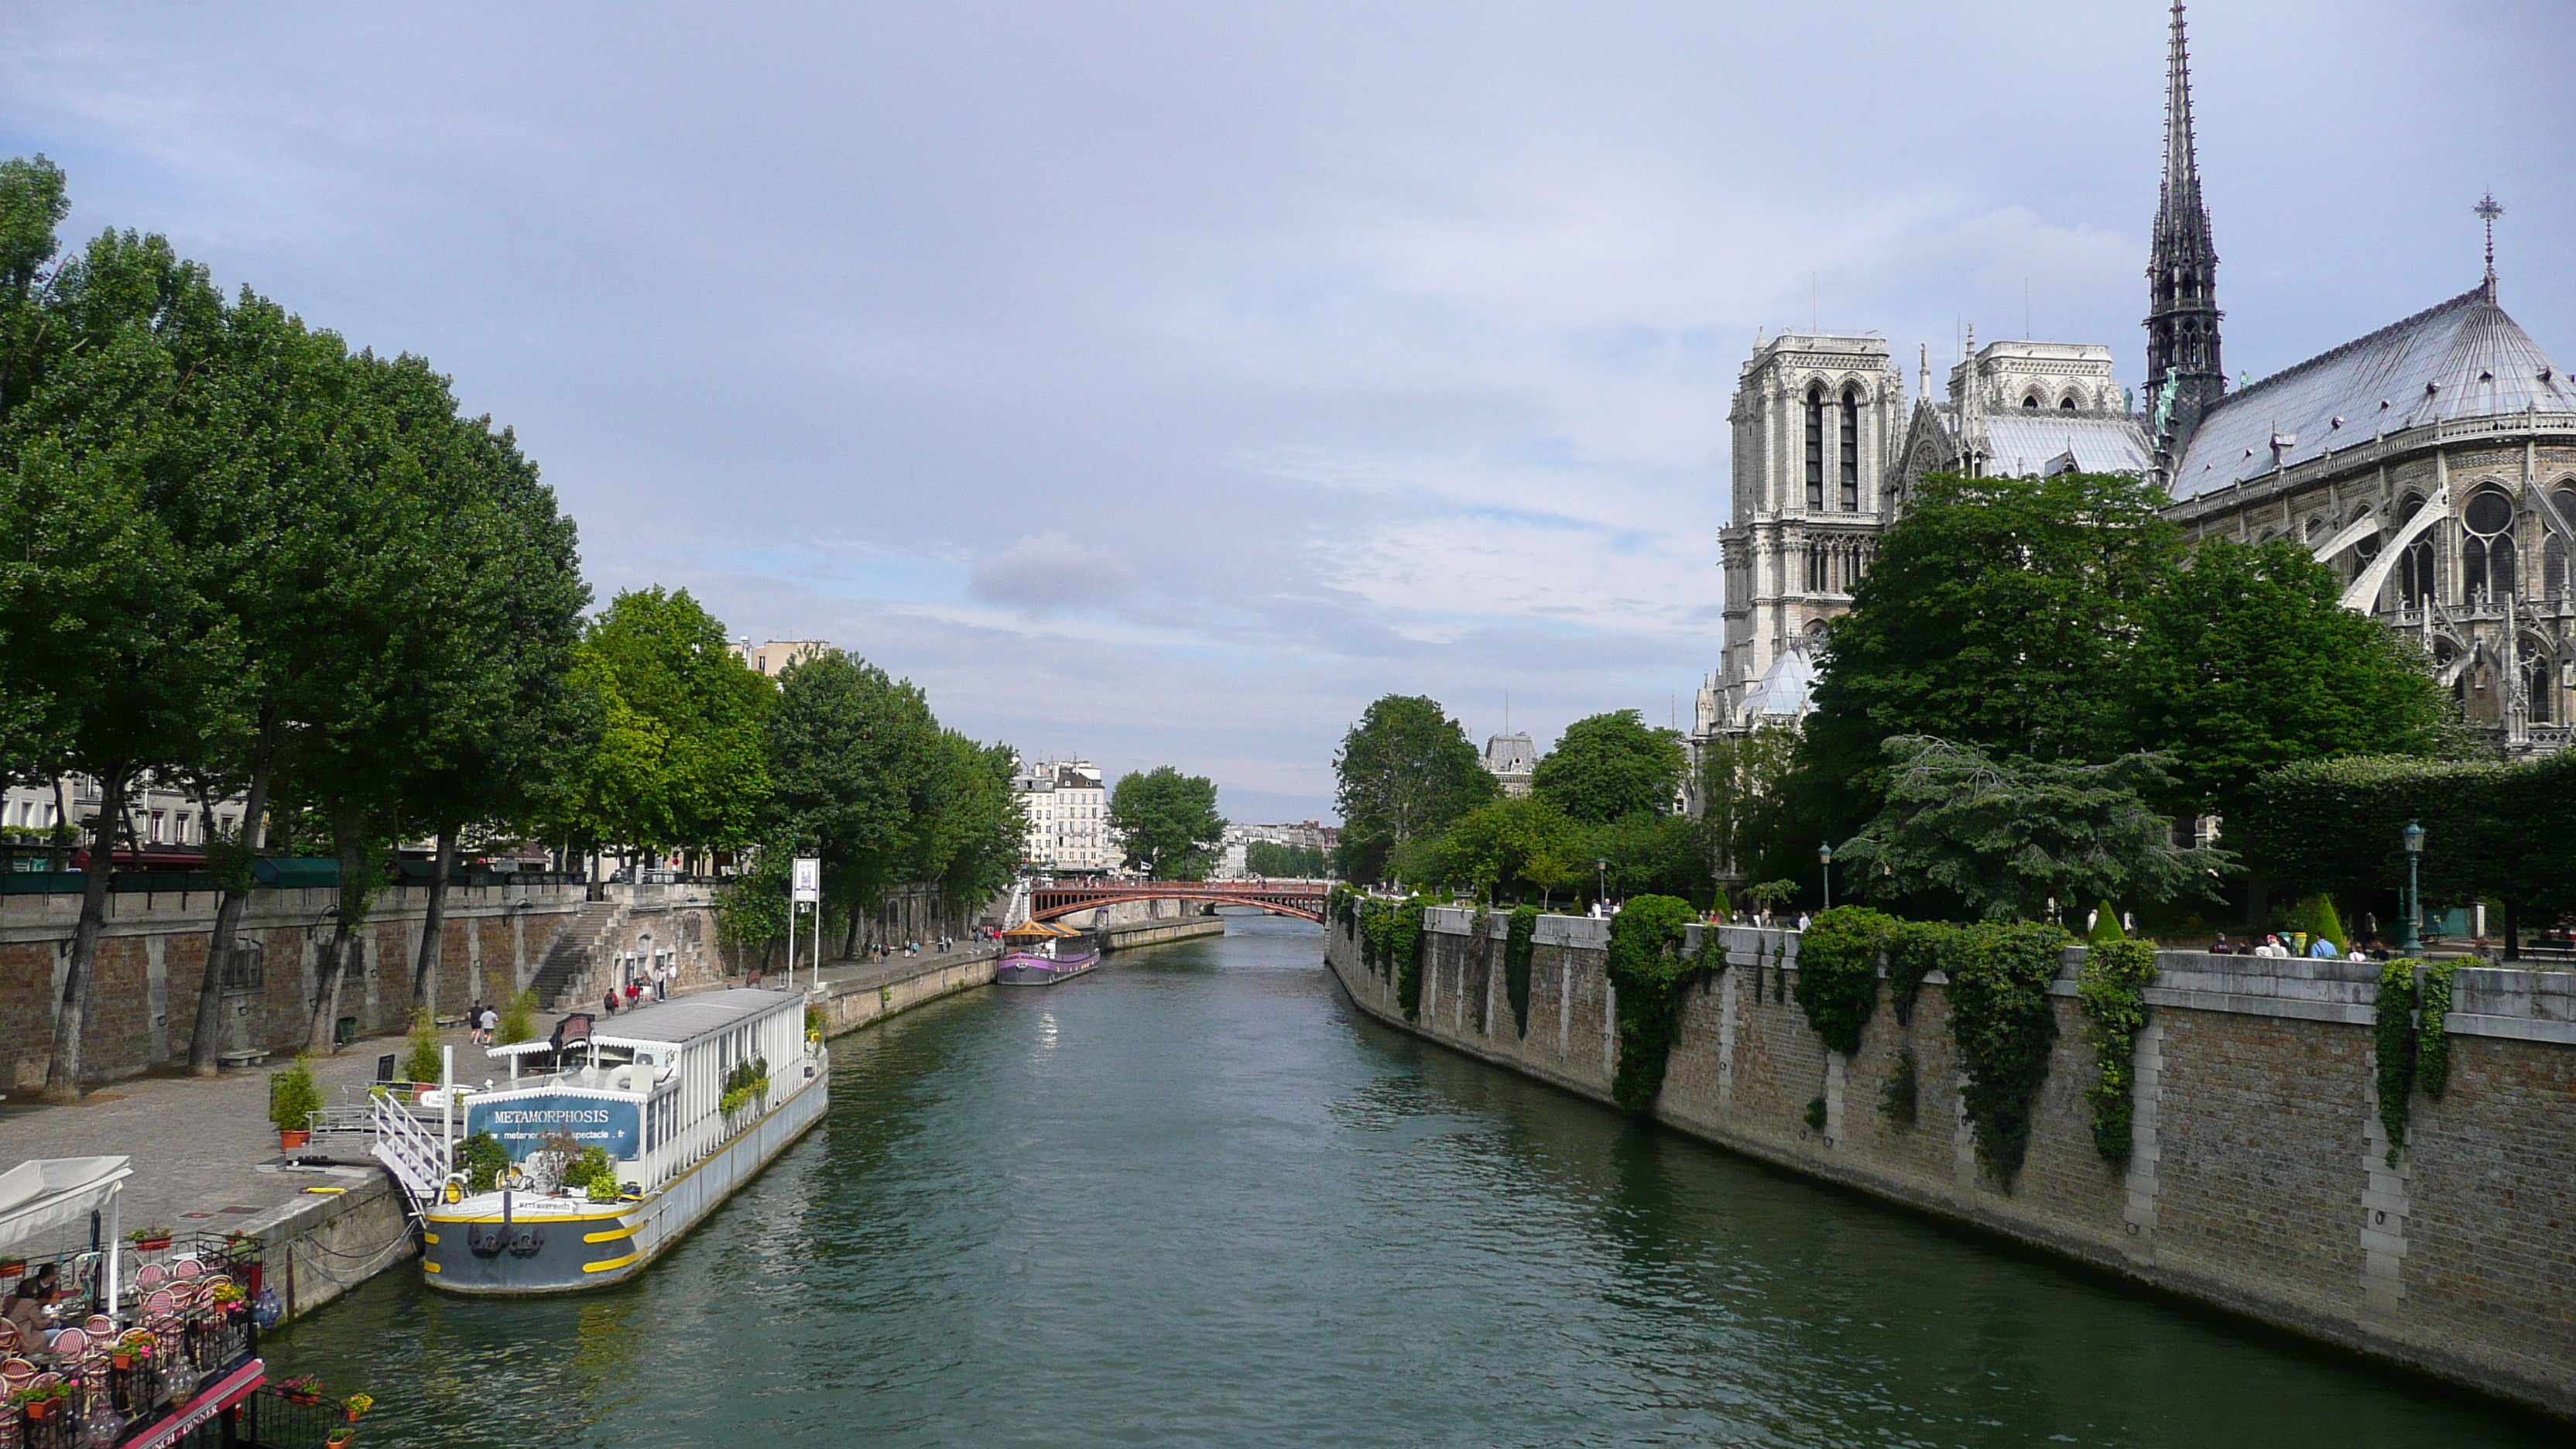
{"x":2431,"y":464}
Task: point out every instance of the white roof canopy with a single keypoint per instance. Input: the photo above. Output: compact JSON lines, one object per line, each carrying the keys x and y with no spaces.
{"x":51,"y":1193}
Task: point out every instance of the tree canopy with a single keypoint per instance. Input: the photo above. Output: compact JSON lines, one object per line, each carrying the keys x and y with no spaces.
{"x":1610,"y":766}
{"x":2005,"y":840}
{"x":1168,"y":822}
{"x":1405,"y":771}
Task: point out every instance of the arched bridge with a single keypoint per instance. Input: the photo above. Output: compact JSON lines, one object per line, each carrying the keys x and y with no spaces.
{"x":1302,"y":899}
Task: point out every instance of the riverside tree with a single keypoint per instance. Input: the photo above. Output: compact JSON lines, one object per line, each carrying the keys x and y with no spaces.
{"x":679,"y":757}
{"x":1610,"y":766}
{"x":1168,"y":822}
{"x":1404,"y":772}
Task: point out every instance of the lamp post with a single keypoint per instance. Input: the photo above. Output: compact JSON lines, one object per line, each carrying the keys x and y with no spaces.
{"x":1601,"y":892}
{"x":2414,"y":836}
{"x":1825,"y":858}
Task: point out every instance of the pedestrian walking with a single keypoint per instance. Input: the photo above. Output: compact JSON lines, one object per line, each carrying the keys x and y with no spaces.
{"x":491,"y":1026}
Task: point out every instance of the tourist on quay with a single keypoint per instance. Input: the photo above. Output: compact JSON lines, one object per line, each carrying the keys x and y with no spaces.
{"x":491,"y":1026}
{"x":608,"y":999}
{"x":2218,"y":945}
{"x":474,"y":1024}
{"x":2323,"y":950}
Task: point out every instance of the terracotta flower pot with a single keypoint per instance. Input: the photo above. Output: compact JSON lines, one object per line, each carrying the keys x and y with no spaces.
{"x":121,"y":1360}
{"x":39,"y":1410}
{"x":289,"y":1140}
{"x":155,"y":1245}
{"x":13,"y":1267}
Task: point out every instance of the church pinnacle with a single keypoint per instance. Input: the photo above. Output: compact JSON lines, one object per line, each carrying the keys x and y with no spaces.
{"x":2185,"y":374}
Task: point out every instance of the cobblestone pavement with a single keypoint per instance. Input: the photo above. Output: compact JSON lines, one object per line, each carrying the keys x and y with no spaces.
{"x":205,"y":1155}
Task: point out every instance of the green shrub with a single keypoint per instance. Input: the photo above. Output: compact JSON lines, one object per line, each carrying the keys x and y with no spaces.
{"x":2317,"y":916}
{"x":1816,"y":1114}
{"x":603,"y":1187}
{"x":1838,"y":972}
{"x":482,"y":1159}
{"x":2003,"y":1026}
{"x":1517,"y":949}
{"x":293,"y":1097}
{"x":424,"y":1062}
{"x":1653,"y":978}
{"x":2106,"y":924}
{"x":588,"y":1166}
{"x":2112,"y":989}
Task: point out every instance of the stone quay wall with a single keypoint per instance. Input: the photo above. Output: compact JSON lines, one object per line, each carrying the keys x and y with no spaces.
{"x":2259,"y":1183}
{"x":152,"y":959}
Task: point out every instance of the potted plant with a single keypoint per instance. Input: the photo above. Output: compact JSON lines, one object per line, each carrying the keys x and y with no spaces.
{"x":151,"y":1239}
{"x":292,"y":1100}
{"x":41,"y":1404}
{"x":136,"y":1344}
{"x":229,"y":1298}
{"x":301,"y":1389}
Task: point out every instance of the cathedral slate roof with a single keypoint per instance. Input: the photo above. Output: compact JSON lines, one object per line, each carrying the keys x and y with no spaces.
{"x":2462,"y":359}
{"x":2027,"y":440}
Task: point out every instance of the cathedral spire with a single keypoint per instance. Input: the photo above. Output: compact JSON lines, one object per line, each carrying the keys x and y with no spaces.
{"x":2185,"y":374}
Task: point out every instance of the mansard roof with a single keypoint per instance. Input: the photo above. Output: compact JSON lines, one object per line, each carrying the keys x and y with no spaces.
{"x":2462,"y":359}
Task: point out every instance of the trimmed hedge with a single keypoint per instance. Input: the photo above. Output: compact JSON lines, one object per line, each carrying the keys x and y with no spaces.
{"x":2505,"y":831}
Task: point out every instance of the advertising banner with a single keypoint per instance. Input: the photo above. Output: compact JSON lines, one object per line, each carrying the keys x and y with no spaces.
{"x":521,"y":1123}
{"x":808,"y":880}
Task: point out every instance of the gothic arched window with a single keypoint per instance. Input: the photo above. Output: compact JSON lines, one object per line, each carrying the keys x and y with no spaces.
{"x":2030,"y":404}
{"x":1850,"y":454}
{"x":2067,"y":404}
{"x":2487,"y":554}
{"x":2539,"y":683}
{"x":2553,"y":547}
{"x":1816,"y":448}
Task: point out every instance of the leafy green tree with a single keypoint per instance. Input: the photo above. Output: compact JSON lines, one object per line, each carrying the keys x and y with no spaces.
{"x":1504,"y":846}
{"x":2003,"y":840}
{"x":854,"y":759}
{"x":1998,"y":614}
{"x":680,"y":756}
{"x":977,"y":827}
{"x":1282,"y":861}
{"x":1610,"y":766}
{"x":107,"y":642}
{"x":1168,"y":822}
{"x":1740,"y":779}
{"x":1404,"y":772}
{"x":1653,"y":854}
{"x":2247,"y":663}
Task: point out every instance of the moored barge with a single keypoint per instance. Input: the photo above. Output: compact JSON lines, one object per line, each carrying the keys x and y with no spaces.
{"x":686,"y":1099}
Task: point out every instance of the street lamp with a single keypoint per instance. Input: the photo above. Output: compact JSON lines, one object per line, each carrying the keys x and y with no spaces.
{"x":2414,"y":836}
{"x":1825,"y":858}
{"x":1601,"y":868}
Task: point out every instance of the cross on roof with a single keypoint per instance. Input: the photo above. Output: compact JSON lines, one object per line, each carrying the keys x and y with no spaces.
{"x":2488,"y":211}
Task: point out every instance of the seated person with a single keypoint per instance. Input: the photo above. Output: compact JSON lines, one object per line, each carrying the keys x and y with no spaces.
{"x":26,"y":1312}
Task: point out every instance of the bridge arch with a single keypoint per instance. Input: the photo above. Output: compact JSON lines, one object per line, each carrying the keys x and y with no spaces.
{"x":1299,"y":899}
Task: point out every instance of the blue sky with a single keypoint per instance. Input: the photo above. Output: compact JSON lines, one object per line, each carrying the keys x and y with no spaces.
{"x":1164,"y":382}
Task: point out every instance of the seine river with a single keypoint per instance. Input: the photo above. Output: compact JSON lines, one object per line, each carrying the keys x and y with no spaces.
{"x":1195,"y":1199}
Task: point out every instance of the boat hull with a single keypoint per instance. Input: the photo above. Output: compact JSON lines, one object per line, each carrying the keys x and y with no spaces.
{"x":1015,"y":969}
{"x":583,"y":1247}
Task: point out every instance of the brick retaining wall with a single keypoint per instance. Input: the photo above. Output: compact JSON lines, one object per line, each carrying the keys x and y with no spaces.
{"x":2258,"y":1184}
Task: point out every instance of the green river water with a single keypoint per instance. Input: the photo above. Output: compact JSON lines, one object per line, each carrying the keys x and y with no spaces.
{"x":1195,"y":1199}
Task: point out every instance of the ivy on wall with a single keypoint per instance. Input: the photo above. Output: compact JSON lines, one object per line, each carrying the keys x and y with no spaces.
{"x":2414,"y":1050}
{"x":2393,"y":1035}
{"x":1517,"y":948}
{"x":1897,"y":1100}
{"x":1838,"y":972}
{"x":1654,"y":979}
{"x":2111,"y":987}
{"x":2432,"y":1043}
{"x":2002,"y":1024}
{"x":1913,"y":951}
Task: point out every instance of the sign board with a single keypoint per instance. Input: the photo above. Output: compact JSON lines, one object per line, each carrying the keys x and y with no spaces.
{"x":808,"y":880}
{"x":521,"y":1123}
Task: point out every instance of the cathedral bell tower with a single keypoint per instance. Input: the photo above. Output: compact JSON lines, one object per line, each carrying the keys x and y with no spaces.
{"x":2185,"y":376}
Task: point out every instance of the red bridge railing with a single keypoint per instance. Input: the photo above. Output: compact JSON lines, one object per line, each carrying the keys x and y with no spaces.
{"x":1302,"y":899}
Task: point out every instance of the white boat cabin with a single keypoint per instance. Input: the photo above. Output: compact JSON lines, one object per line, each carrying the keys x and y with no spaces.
{"x":647,"y":1084}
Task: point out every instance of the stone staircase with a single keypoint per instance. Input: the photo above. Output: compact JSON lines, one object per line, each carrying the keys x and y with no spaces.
{"x":564,"y":975}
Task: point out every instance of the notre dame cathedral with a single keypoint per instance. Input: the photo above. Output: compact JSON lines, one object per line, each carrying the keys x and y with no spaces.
{"x":2431,"y":464}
